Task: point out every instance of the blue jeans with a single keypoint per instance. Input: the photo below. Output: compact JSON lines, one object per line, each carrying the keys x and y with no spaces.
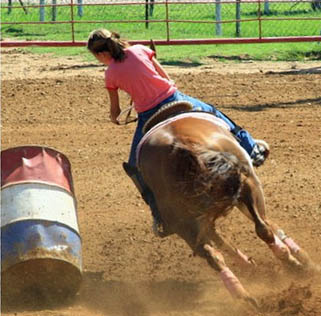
{"x":244,"y":137}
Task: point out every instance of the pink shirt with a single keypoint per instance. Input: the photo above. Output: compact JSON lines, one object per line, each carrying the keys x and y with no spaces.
{"x":137,"y":76}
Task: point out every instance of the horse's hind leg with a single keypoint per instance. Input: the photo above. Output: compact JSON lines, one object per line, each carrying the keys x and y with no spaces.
{"x":200,"y":235}
{"x":233,"y":285}
{"x":253,"y":199}
{"x":283,"y":246}
{"x":299,"y":253}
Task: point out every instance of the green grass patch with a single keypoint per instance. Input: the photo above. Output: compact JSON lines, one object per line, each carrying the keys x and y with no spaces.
{"x":198,"y":54}
{"x":129,"y":22}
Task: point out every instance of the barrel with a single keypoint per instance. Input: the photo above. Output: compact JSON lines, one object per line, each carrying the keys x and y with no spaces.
{"x":40,"y":241}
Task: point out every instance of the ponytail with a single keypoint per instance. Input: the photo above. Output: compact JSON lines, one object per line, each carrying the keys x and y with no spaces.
{"x":102,"y":40}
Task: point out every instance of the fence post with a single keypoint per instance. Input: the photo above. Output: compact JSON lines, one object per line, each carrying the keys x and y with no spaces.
{"x":167,"y":20}
{"x":42,"y":11}
{"x":146,"y":14}
{"x":80,"y":8}
{"x":266,"y":7}
{"x":238,"y":18}
{"x":54,"y":10}
{"x":218,"y":16}
{"x":9,"y":6}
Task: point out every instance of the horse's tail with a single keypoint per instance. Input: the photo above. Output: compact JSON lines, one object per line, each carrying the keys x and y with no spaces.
{"x":215,"y":177}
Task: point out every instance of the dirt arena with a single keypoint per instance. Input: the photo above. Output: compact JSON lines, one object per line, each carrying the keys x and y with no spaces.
{"x":62,"y":103}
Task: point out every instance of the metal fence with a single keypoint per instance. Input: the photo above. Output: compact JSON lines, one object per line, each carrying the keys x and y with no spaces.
{"x":68,"y":22}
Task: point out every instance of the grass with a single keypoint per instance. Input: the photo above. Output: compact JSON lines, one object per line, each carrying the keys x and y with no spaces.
{"x":112,"y":17}
{"x":196,"y":55}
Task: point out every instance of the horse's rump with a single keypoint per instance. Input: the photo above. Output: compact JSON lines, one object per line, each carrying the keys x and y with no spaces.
{"x":205,"y":175}
{"x":189,"y":170}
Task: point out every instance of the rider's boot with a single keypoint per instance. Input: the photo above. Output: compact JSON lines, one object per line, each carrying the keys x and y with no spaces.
{"x":260,"y":152}
{"x":147,"y":196}
{"x":257,"y":149}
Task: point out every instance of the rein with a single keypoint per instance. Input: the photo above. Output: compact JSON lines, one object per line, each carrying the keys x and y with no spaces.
{"x":128,"y":118}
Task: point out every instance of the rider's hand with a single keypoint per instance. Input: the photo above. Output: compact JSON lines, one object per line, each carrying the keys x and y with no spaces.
{"x":114,"y":120}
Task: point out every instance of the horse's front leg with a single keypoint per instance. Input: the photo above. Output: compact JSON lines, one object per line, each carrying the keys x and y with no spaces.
{"x":216,"y":260}
{"x":234,"y":252}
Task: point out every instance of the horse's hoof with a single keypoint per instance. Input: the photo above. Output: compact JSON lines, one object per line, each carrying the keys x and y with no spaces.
{"x":252,"y":262}
{"x":311,"y":270}
{"x":253,"y":302}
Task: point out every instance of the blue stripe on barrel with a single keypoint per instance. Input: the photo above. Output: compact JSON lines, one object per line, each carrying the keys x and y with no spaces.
{"x":40,"y":258}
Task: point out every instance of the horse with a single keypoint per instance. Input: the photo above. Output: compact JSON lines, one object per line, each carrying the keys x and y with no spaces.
{"x":199,"y":173}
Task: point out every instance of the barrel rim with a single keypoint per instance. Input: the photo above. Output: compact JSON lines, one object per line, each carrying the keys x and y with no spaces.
{"x":35,"y":146}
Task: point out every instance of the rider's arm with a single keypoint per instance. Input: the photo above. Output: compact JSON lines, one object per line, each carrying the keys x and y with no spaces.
{"x":114,"y":105}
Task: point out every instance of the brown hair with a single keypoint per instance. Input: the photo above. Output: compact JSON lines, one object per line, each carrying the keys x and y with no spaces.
{"x":102,"y":40}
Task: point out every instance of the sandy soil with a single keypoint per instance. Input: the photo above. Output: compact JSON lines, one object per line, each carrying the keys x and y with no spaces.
{"x":62,"y":103}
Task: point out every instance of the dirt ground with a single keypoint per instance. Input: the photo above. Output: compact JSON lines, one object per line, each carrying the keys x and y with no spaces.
{"x":62,"y":103}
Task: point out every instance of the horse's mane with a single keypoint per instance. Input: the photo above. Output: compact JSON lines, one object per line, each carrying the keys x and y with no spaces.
{"x":205,"y":172}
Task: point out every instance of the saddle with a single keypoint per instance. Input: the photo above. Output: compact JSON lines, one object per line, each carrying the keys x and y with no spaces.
{"x":166,"y":111}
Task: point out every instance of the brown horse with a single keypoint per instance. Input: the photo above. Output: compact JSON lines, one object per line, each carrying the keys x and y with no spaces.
{"x":198,"y":173}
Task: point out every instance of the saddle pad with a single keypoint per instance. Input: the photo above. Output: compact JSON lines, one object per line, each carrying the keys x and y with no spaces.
{"x":199,"y":115}
{"x":166,"y":111}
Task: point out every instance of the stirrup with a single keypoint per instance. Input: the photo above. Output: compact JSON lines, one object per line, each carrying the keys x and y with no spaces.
{"x":134,"y":174}
{"x":157,"y":227}
{"x":159,"y":230}
{"x":148,"y":197}
{"x":130,"y":170}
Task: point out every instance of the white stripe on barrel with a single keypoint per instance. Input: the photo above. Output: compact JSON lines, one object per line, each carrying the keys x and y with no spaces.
{"x":38,"y":201}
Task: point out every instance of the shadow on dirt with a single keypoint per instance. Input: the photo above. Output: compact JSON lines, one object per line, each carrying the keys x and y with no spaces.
{"x":310,"y":55}
{"x":187,"y":64}
{"x":305,"y":103}
{"x":33,"y":300}
{"x":141,"y":298}
{"x":313,"y":70}
{"x":70,"y":67}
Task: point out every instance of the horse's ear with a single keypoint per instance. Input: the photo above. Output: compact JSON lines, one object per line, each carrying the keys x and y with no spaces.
{"x":152,"y":46}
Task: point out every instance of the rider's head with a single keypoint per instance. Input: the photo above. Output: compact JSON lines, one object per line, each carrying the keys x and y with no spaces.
{"x":103,"y":41}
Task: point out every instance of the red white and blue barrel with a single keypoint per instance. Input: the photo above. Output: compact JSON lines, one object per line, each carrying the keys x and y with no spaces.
{"x":40,"y":239}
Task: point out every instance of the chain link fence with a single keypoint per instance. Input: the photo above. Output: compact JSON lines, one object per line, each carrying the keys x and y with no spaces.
{"x":72,"y":20}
